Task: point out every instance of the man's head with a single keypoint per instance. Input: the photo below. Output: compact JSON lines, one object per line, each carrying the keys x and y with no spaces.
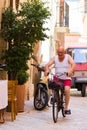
{"x":61,"y":52}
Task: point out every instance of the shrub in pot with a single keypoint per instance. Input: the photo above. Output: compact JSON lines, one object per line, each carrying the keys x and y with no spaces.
{"x":22,"y":77}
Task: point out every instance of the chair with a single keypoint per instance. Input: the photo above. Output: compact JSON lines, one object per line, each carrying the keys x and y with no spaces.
{"x":12,"y":97}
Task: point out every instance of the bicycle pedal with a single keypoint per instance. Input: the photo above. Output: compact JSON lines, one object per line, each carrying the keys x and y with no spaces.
{"x":51,"y":100}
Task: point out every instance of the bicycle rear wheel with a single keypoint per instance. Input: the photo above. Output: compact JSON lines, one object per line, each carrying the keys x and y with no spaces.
{"x":40,"y":101}
{"x":56,"y":105}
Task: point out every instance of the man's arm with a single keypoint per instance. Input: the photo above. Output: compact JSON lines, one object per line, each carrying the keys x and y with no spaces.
{"x":51,"y":62}
{"x":72,"y":68}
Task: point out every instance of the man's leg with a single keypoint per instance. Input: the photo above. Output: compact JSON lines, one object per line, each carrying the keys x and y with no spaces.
{"x":67,"y":96}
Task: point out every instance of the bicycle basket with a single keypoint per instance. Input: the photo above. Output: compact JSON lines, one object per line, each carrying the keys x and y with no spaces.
{"x":55,"y":83}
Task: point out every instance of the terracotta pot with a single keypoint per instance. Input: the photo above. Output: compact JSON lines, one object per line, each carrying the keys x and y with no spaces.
{"x":20,"y":98}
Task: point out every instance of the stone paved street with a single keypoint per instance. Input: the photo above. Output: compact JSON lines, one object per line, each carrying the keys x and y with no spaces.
{"x":31,"y":119}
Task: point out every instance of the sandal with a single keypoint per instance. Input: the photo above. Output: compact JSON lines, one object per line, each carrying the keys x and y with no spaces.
{"x":68,"y":112}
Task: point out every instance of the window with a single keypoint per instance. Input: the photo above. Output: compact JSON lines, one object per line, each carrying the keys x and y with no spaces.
{"x":79,"y":54}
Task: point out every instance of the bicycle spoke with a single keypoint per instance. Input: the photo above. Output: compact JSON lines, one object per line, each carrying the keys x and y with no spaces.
{"x":63,"y":105}
{"x":41,"y":102}
{"x":55,"y":106}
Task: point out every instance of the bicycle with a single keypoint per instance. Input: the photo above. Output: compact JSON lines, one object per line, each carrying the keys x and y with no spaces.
{"x":58,"y":96}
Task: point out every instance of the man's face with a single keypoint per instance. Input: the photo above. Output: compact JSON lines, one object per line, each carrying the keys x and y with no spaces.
{"x":60,"y":52}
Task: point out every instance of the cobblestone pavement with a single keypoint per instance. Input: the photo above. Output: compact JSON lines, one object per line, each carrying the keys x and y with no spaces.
{"x":31,"y":119}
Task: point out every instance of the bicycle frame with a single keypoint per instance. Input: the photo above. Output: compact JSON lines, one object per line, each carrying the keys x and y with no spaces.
{"x":58,"y":99}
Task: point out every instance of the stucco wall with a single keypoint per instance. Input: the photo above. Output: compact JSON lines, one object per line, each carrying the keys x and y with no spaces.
{"x":85,"y":25}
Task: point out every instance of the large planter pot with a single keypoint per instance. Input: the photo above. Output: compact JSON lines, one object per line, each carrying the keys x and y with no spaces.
{"x":20,"y":98}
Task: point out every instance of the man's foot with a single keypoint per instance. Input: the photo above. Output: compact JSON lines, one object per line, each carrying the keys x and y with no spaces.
{"x":67,"y":112}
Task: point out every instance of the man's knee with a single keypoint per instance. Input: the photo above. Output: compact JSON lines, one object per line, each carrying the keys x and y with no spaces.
{"x":67,"y":89}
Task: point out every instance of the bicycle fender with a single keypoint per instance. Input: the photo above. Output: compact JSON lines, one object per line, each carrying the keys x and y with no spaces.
{"x":42,"y":84}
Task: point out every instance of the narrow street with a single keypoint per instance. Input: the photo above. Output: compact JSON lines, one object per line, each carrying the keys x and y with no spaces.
{"x":42,"y":120}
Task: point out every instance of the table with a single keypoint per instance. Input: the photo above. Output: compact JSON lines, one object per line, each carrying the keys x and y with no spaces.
{"x":3,"y":98}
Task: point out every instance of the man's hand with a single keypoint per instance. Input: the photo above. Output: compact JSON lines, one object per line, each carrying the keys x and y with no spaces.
{"x":70,"y":73}
{"x":46,"y":72}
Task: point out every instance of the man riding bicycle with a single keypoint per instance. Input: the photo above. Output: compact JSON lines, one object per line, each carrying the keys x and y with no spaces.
{"x":63,"y":63}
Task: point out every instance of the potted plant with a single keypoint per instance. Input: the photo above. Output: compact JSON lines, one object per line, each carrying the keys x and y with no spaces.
{"x":22,"y":77}
{"x":22,"y":30}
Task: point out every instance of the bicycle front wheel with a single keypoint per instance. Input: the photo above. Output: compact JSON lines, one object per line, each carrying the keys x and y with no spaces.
{"x":55,"y":106}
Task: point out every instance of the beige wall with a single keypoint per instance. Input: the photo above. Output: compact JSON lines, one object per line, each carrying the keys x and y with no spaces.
{"x":72,"y":40}
{"x":3,"y":4}
{"x":85,"y":25}
{"x":6,"y":3}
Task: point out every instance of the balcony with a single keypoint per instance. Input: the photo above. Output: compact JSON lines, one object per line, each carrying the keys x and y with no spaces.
{"x":62,"y":29}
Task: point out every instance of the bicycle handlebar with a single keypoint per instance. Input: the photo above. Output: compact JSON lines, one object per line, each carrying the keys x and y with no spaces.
{"x":2,"y":66}
{"x":38,"y":67}
{"x":60,"y":74}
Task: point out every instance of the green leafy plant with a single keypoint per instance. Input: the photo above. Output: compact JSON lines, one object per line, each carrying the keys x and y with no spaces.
{"x":22,"y":77}
{"x":22,"y":30}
